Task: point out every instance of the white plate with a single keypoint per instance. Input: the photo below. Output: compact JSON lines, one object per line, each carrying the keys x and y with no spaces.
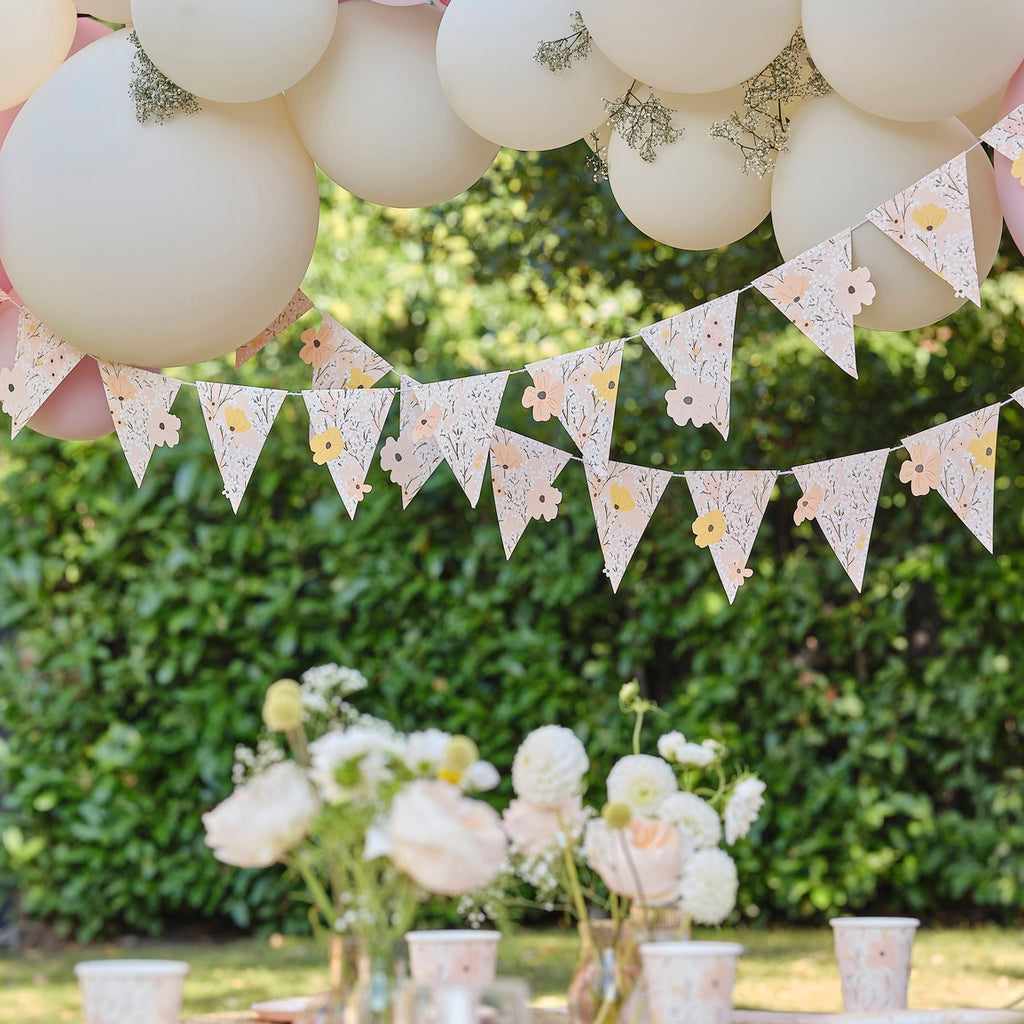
{"x":282,"y":1011}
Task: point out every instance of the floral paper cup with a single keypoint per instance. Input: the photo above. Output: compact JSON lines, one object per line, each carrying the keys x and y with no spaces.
{"x":453,"y":957}
{"x":874,"y":961}
{"x":140,"y":991}
{"x":689,"y":982}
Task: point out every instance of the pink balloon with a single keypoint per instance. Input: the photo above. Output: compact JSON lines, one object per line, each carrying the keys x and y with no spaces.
{"x":1011,"y":189}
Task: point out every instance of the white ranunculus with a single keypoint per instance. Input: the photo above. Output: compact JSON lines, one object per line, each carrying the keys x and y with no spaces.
{"x":549,"y":766}
{"x":743,"y":808}
{"x":670,"y":744}
{"x":696,"y":819}
{"x":351,"y":763}
{"x":264,"y":819}
{"x":641,"y":782}
{"x":707,"y":890}
{"x":424,"y":751}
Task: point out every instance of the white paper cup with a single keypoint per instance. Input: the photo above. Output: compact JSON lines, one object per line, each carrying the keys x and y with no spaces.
{"x":874,"y":955}
{"x":135,"y":991}
{"x":453,"y":957}
{"x":689,"y":982}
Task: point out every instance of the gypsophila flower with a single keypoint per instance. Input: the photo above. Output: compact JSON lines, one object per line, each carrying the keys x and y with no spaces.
{"x":335,"y":678}
{"x":743,"y":808}
{"x":642,"y":782}
{"x":707,"y":889}
{"x":697,"y":821}
{"x":549,"y":766}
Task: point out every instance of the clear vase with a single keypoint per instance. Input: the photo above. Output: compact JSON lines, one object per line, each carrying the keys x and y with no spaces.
{"x":607,"y":973}
{"x":374,"y":997}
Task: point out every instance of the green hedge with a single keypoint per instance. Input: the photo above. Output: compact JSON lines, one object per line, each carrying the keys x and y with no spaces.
{"x":141,"y":626}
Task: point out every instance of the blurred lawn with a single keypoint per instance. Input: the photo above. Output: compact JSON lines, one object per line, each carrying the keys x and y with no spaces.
{"x":781,"y":969}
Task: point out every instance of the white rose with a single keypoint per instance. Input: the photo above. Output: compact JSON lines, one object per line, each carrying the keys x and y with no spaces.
{"x":641,"y":782}
{"x":264,"y":819}
{"x":743,"y":808}
{"x":549,"y":766}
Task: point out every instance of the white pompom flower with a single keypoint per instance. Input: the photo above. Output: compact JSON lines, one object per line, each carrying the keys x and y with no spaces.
{"x":743,"y":808}
{"x":697,"y":821}
{"x":641,"y":782}
{"x":707,"y":889}
{"x":549,"y":766}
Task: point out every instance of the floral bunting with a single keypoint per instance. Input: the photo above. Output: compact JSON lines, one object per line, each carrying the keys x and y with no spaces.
{"x":841,"y":496}
{"x":730,"y":506}
{"x":624,"y":501}
{"x":958,"y":459}
{"x":344,"y":430}
{"x":932,"y":221}
{"x":140,"y":405}
{"x":820,"y":292}
{"x":412,"y":457}
{"x":1007,"y":136}
{"x":339,"y":359}
{"x":41,"y":363}
{"x":696,"y":349}
{"x":297,"y":307}
{"x":238,"y":420}
{"x":523,"y":473}
{"x":580,"y":389}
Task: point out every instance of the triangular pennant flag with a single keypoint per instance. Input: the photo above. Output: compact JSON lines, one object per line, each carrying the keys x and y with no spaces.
{"x":841,"y":495}
{"x":958,"y":459}
{"x":820,"y":292}
{"x":1007,"y":136}
{"x":468,"y":410}
{"x":238,"y":420}
{"x":730,"y":507}
{"x":581,"y":389}
{"x":696,"y":349}
{"x":140,"y":403}
{"x":623,"y":503}
{"x":932,"y":221}
{"x":412,"y":457}
{"x":41,"y":363}
{"x":344,"y":431}
{"x":298,"y":306}
{"x":1018,"y":397}
{"x":339,"y":359}
{"x":4,"y":297}
{"x":522,"y":474}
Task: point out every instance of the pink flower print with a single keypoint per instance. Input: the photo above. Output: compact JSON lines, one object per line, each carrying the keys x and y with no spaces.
{"x":542,"y":501}
{"x":13,"y":389}
{"x":545,"y":397}
{"x":398,"y":458}
{"x":738,"y":573}
{"x":425,"y":422}
{"x":715,"y":983}
{"x":691,"y":402}
{"x":120,"y":388}
{"x":355,"y":489}
{"x":883,"y":951}
{"x":317,"y":346}
{"x":809,"y":504}
{"x":922,"y":470}
{"x":791,"y":290}
{"x":507,"y":456}
{"x":163,"y":428}
{"x":854,"y":290}
{"x":56,"y":365}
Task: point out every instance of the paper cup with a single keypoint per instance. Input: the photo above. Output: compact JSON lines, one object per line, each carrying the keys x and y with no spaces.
{"x":689,"y":982}
{"x":874,"y":956}
{"x":140,"y":991}
{"x":453,"y":957}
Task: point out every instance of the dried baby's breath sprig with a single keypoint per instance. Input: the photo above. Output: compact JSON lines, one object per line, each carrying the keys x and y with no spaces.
{"x":644,"y":124}
{"x":761,"y":132}
{"x":561,"y":54}
{"x":155,"y":96}
{"x":597,"y":160}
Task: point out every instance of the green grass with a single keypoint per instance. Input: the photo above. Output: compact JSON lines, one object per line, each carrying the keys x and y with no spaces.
{"x":781,"y":969}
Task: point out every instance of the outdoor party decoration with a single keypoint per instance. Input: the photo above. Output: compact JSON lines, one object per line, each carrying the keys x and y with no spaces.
{"x":117,"y":11}
{"x":373,"y":114}
{"x":919,"y":60}
{"x":299,"y":305}
{"x":958,"y":459}
{"x":134,"y":241}
{"x":412,"y":457}
{"x":841,"y":496}
{"x":36,"y":37}
{"x":842,"y":163}
{"x":234,"y":51}
{"x":1007,"y":138}
{"x":488,"y":63}
{"x":238,"y":420}
{"x":339,"y":359}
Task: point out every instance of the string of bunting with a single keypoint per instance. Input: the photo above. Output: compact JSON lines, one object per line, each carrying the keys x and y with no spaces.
{"x":455,"y":421}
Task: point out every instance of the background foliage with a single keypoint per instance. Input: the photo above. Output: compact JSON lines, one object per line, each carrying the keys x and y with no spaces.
{"x":141,"y":626}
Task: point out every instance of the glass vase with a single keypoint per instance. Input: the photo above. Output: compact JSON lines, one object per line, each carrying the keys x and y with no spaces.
{"x":374,"y":997}
{"x":607,"y":973}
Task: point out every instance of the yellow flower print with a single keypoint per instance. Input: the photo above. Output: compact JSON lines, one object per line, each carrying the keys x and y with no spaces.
{"x":983,"y":450}
{"x":1017,"y":168}
{"x":606,"y":383}
{"x":358,"y":379}
{"x":327,"y":445}
{"x":929,"y":217}
{"x":709,"y":529}
{"x":622,"y":500}
{"x":237,"y":421}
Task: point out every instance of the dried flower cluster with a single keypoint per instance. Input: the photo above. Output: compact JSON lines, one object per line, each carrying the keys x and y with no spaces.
{"x":561,"y":54}
{"x":644,"y":124}
{"x":597,"y":161}
{"x":155,"y":96}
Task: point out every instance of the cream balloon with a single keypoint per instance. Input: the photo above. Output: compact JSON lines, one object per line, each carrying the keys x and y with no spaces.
{"x":154,"y":244}
{"x":486,"y":63}
{"x":691,"y":45}
{"x":234,"y":51}
{"x":117,"y":11}
{"x":35,"y":38}
{"x":374,"y":117}
{"x":695,"y":194}
{"x":981,"y":117}
{"x":916,"y":60}
{"x":841,"y":164}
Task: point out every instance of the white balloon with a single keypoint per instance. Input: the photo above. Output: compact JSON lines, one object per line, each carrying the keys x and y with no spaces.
{"x":35,"y":36}
{"x":117,"y":11}
{"x":695,"y":194}
{"x":841,"y":164}
{"x":691,"y":45}
{"x":152,"y":244}
{"x":485,"y":59}
{"x":915,"y":60}
{"x":374,"y":117}
{"x":234,"y":51}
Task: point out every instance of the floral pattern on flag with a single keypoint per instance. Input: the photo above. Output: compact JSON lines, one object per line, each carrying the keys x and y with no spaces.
{"x":580,"y":389}
{"x":624,"y":501}
{"x":344,"y":430}
{"x":820,"y":292}
{"x":339,"y":359}
{"x":958,"y":459}
{"x":412,"y":457}
{"x":238,"y":420}
{"x":932,"y":221}
{"x":841,"y":496}
{"x":298,"y":306}
{"x":696,"y":349}
{"x":1007,"y":136}
{"x":140,"y":406}
{"x":523,"y":473}
{"x":41,"y":363}
{"x":730,"y":507}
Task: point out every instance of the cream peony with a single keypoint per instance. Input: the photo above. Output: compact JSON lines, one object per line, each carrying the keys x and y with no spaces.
{"x":707,"y":890}
{"x":264,"y":819}
{"x":643,"y":861}
{"x":444,"y":841}
{"x":642,"y":782}
{"x":697,"y":820}
{"x":743,"y":808}
{"x":532,"y":829}
{"x":549,"y":767}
